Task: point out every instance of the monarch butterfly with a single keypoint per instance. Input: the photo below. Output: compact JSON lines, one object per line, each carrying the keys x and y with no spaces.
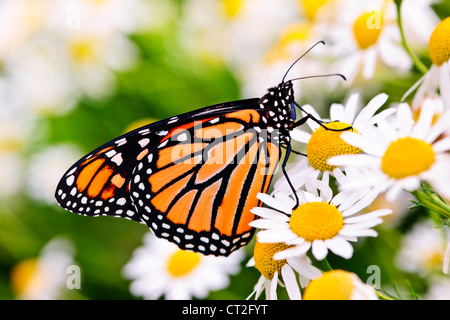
{"x":192,"y":178}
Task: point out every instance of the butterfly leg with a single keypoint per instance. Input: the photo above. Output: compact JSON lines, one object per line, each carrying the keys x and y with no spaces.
{"x":283,"y":168}
{"x":294,"y":151}
{"x":319,"y":122}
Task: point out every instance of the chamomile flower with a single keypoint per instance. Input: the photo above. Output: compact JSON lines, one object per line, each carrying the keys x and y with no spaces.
{"x":160,"y":268}
{"x":272,"y":269}
{"x":320,"y":223}
{"x":368,"y":34}
{"x":44,"y":277}
{"x":323,"y":144}
{"x":422,"y":250}
{"x":339,"y":285}
{"x":45,"y":169}
{"x":438,"y":76}
{"x":439,"y":289}
{"x":399,"y":154}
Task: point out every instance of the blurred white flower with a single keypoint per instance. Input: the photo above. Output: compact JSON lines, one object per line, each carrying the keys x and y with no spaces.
{"x":422,"y":250}
{"x":439,"y":289}
{"x":365,"y":34}
{"x":56,"y":51}
{"x":22,"y":19}
{"x":44,"y":277}
{"x":46,"y":168}
{"x":159,"y":268}
{"x":11,"y":174}
{"x":438,"y":76}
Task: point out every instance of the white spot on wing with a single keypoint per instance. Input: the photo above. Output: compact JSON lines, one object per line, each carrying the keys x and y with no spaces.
{"x":117,"y":159}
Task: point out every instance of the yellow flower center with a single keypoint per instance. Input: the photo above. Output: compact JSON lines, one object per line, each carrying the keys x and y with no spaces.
{"x":82,"y":50}
{"x":263,"y":255}
{"x":367,"y":28}
{"x":407,"y":157}
{"x":183,"y":262}
{"x":325,"y":144}
{"x":439,"y":45}
{"x":433,"y":260}
{"x":232,"y":7}
{"x":331,"y":285}
{"x":293,"y":36}
{"x":311,"y":7}
{"x":22,"y":274}
{"x":316,"y":221}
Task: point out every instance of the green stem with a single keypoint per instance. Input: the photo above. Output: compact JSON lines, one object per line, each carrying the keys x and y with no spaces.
{"x":418,"y":64}
{"x":382,"y":296}
{"x":326,"y":265}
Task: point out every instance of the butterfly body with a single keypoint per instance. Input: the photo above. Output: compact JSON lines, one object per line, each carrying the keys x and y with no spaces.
{"x":193,"y":178}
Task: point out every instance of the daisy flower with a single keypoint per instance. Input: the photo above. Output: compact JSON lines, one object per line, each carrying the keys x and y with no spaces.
{"x":320,"y":223}
{"x":399,"y":154}
{"x":271,"y":270}
{"x":160,"y":268}
{"x":323,"y":144}
{"x":421,"y":250}
{"x":368,"y":34}
{"x":45,"y":168}
{"x":439,"y":289}
{"x":339,"y":285}
{"x":438,"y":76}
{"x":44,"y":277}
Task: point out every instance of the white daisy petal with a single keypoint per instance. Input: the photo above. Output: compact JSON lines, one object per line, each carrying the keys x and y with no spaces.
{"x":304,"y":268}
{"x":444,"y":82}
{"x":405,"y":119}
{"x":367,"y":112}
{"x":362,"y":203}
{"x":266,"y":224}
{"x":337,"y":112}
{"x":347,"y":232}
{"x":312,"y":124}
{"x":340,"y":247}
{"x":285,"y":199}
{"x":365,"y":224}
{"x":274,"y":236}
{"x":423,"y":124}
{"x":368,"y":216}
{"x":319,"y":249}
{"x":274,"y":203}
{"x":370,"y":61}
{"x":298,"y":250}
{"x":291,"y":282}
{"x":361,"y":160}
{"x":442,"y":145}
{"x":438,"y":128}
{"x":300,"y":135}
{"x":269,"y":214}
{"x":273,"y":287}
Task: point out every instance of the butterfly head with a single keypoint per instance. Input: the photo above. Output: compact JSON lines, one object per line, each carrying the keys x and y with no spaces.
{"x":287,"y":92}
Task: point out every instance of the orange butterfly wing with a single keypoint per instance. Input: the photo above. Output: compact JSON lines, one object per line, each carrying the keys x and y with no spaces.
{"x":198,"y":186}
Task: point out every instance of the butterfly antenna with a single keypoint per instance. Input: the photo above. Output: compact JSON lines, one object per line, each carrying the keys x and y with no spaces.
{"x":322,"y":42}
{"x":321,"y":76}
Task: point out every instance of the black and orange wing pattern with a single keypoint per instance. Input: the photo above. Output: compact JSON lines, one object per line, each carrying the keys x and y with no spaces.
{"x":192,"y":178}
